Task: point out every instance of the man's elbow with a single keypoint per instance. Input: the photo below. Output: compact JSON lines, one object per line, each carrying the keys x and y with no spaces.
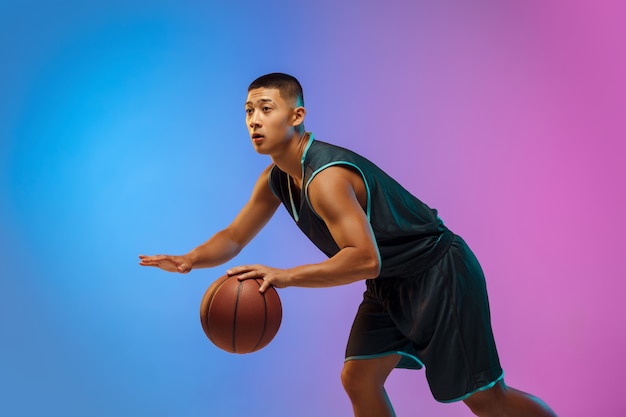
{"x":372,"y":266}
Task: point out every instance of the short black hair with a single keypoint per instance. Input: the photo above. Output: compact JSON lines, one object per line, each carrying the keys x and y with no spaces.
{"x":288,"y":86}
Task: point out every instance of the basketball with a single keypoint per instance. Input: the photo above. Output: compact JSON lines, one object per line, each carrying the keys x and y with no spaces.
{"x":237,"y":318}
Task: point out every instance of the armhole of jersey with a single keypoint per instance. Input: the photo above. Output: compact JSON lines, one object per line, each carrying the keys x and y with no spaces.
{"x":350,"y":164}
{"x":367,"y":190}
{"x":269,"y":182}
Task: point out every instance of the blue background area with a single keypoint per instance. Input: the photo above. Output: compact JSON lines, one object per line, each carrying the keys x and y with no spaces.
{"x":122,"y":132}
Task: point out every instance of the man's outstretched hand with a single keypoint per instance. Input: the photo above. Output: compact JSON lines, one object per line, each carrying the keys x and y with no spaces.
{"x":167,"y":263}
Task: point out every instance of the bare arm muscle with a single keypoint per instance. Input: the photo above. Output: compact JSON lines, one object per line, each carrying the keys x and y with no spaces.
{"x":338,"y":196}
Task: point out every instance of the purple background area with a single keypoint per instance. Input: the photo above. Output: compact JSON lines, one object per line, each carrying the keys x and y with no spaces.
{"x":121,"y":127}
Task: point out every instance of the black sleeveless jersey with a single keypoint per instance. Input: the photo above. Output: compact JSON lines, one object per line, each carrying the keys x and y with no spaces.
{"x":409,"y":234}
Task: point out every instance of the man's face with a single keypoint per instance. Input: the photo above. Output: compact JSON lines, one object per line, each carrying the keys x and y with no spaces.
{"x":269,"y":118}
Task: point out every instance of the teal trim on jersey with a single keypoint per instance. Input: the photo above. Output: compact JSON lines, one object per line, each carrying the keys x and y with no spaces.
{"x":269,"y":182}
{"x":382,"y":355}
{"x":368,"y":207}
{"x":294,"y":211}
{"x":367,"y":187}
{"x":466,"y":396}
{"x":306,"y":149}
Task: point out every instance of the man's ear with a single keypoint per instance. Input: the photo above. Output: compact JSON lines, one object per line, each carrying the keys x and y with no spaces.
{"x":298,"y":116}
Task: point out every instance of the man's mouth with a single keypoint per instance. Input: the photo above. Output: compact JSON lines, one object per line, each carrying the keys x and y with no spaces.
{"x":256,"y":137}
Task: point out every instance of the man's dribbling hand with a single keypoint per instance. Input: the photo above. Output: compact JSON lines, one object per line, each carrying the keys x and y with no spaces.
{"x":167,"y":263}
{"x":278,"y":278}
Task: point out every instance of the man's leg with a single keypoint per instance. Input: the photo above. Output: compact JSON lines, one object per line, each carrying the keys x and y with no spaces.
{"x":503,"y":401}
{"x":364,"y":380}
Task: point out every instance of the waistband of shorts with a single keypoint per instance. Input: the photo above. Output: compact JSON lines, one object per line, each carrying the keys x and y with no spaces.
{"x":428,"y":261}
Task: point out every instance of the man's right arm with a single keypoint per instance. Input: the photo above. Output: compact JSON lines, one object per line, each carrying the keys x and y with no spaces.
{"x":227,"y":243}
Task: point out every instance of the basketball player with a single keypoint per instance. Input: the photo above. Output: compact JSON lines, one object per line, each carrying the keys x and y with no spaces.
{"x":425,"y":303}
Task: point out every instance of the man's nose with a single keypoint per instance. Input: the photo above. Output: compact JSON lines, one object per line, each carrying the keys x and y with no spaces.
{"x":254,"y":120}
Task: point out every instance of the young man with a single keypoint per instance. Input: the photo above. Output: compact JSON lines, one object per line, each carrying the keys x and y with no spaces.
{"x":426,"y":302}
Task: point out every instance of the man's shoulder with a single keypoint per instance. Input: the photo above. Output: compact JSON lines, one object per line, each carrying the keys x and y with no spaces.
{"x":320,"y":150}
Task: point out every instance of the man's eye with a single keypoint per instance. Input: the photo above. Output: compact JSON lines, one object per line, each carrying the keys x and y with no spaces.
{"x":267,"y":108}
{"x":249,"y":111}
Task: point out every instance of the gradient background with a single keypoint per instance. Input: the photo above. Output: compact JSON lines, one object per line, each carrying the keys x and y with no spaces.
{"x":122,"y":132}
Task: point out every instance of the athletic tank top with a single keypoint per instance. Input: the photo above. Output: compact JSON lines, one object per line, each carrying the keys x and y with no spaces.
{"x":409,"y":234}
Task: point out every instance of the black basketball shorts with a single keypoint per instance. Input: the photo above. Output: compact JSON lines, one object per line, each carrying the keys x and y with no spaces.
{"x":437,"y":319}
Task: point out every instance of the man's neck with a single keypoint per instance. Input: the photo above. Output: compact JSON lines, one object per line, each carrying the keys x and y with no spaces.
{"x":290,"y":160}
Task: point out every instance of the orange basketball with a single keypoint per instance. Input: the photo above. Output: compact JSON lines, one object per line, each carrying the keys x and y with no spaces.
{"x":237,"y":318}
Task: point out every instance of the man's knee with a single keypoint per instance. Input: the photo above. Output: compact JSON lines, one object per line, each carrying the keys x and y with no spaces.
{"x":360,"y":378}
{"x":366,"y":376}
{"x":352,"y":378}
